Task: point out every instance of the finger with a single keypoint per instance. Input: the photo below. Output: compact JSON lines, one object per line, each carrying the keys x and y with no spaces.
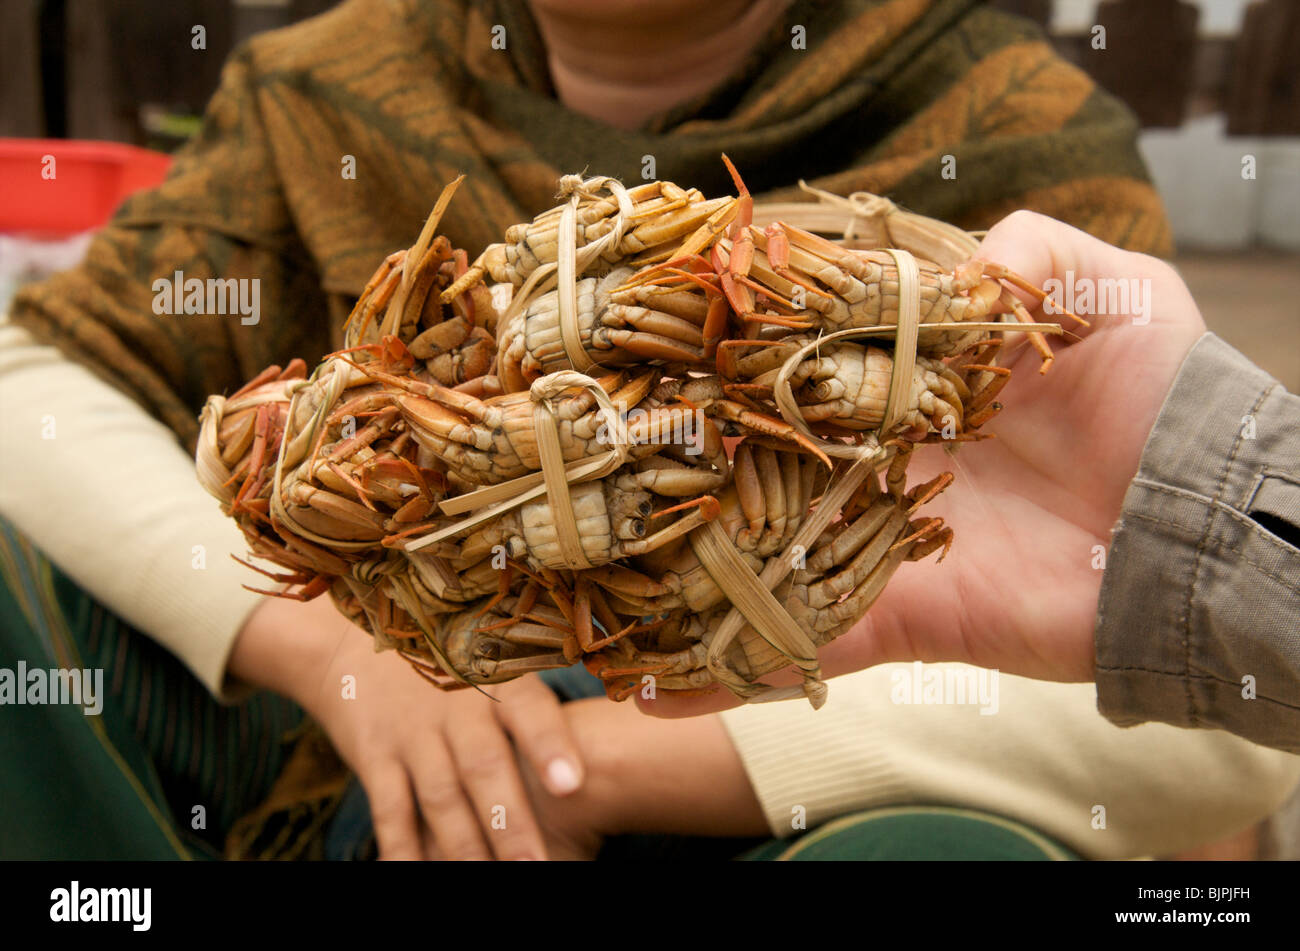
{"x":1038,"y":248}
{"x":486,"y":765}
{"x":674,"y":705}
{"x":428,"y":843}
{"x":443,"y":804}
{"x":531,"y":712}
{"x":392,"y":810}
{"x":1041,"y":249}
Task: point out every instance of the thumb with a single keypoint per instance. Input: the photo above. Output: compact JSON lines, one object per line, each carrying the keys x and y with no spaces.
{"x":1060,"y":259}
{"x":1039,"y":248}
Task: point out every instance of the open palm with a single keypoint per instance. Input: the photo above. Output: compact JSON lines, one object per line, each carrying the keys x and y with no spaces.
{"x":1033,"y":509}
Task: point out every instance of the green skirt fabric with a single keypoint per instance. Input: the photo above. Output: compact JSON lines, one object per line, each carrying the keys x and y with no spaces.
{"x":163,"y":771}
{"x":915,"y":833}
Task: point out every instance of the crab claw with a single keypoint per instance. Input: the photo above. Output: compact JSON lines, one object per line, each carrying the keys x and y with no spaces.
{"x":735,"y":270}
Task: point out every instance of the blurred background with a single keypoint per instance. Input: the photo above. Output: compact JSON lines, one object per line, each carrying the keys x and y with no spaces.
{"x":1215,"y":85}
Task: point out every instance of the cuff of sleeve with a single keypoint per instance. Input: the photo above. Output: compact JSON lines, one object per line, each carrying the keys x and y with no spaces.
{"x":1169,"y":647}
{"x":808,"y":766}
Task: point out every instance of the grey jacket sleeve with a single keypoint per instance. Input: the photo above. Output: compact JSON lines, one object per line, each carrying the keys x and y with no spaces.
{"x":1198,"y":622}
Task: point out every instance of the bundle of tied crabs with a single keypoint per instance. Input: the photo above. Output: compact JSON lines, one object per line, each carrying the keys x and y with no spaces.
{"x":642,"y":432}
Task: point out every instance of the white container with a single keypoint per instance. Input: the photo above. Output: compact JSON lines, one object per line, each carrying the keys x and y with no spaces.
{"x":1205,"y":180}
{"x":1279,"y":212}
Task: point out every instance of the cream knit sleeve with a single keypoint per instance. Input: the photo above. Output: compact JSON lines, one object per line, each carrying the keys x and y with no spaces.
{"x":1043,"y":755}
{"x":110,"y":497}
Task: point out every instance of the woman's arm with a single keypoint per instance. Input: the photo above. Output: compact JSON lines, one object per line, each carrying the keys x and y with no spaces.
{"x":108,"y":494}
{"x":1026,"y":749}
{"x":1030,"y":750}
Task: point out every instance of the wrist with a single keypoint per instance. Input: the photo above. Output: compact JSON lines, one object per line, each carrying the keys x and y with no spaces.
{"x":286,"y":646}
{"x":647,"y":775}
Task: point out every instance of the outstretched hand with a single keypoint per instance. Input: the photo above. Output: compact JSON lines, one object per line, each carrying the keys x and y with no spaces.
{"x":440,"y":769}
{"x":1033,"y":509}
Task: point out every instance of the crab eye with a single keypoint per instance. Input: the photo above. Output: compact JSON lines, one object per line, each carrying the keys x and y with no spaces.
{"x":638,"y":528}
{"x":644,"y":509}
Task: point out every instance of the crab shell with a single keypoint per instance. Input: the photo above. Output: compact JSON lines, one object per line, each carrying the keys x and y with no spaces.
{"x":662,"y":215}
{"x":847,"y":384}
{"x":607,"y":512}
{"x":632,"y":327}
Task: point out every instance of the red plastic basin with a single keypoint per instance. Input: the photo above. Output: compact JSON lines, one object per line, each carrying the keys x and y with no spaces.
{"x":90,"y":179}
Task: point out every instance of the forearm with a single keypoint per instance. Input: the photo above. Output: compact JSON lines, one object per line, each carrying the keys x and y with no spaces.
{"x":107,"y":494}
{"x":1198,"y":623}
{"x":1030,"y":750}
{"x":646,"y":775}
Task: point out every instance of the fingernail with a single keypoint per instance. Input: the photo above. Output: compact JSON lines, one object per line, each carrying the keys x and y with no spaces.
{"x":561,"y":776}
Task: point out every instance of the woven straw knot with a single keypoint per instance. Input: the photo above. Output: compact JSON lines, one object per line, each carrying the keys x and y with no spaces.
{"x":570,"y":184}
{"x":861,"y":206}
{"x":587,"y":189}
{"x":867,"y":205}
